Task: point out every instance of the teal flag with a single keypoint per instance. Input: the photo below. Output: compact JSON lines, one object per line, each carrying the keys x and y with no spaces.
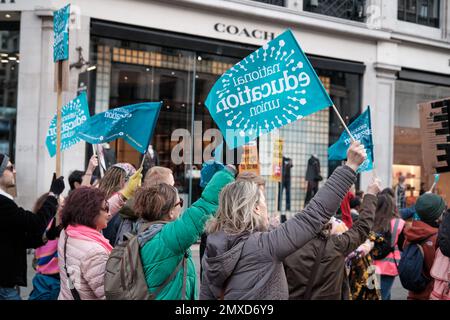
{"x":361,"y":130}
{"x":61,"y":34}
{"x":73,"y":115}
{"x":134,"y":123}
{"x":270,"y":88}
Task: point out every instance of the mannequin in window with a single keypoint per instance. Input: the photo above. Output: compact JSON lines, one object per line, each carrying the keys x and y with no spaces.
{"x":151,"y":160}
{"x":285,"y":184}
{"x":313,"y":177}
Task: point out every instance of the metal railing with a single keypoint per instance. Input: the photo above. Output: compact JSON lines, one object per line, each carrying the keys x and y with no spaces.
{"x":345,"y":9}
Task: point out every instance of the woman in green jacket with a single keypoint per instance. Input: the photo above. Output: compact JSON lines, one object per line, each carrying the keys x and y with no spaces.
{"x":165,"y":245}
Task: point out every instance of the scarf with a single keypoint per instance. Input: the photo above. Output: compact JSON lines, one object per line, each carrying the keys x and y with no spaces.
{"x":86,"y":233}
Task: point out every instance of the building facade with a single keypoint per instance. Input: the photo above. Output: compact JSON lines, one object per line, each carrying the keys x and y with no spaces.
{"x":389,"y":54}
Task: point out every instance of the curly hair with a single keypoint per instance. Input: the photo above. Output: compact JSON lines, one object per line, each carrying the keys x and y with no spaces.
{"x":82,"y":207}
{"x":155,"y":202}
{"x":113,"y":181}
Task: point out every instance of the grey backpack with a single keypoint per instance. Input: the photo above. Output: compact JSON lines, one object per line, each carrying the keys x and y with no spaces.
{"x":124,"y":276}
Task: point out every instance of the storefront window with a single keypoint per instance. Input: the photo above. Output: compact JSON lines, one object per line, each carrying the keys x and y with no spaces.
{"x":407,"y":136}
{"x":130,"y":72}
{"x":9,"y":70}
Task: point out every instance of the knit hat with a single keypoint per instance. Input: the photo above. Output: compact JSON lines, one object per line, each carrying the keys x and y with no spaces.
{"x":3,"y":162}
{"x":430,"y":207}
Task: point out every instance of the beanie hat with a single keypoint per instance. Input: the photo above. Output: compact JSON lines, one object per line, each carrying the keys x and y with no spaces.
{"x":3,"y":162}
{"x":430,"y":207}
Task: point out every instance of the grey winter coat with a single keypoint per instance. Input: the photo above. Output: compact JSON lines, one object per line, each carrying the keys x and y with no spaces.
{"x":249,"y":266}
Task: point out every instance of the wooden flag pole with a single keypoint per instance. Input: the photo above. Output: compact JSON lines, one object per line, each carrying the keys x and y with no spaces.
{"x":343,"y":123}
{"x":58,"y":117}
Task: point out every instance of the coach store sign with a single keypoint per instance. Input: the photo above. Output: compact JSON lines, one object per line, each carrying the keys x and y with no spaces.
{"x":247,"y":32}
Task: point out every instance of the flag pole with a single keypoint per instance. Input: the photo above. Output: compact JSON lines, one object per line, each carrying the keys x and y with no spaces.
{"x":343,"y":123}
{"x":102,"y":173}
{"x":143,"y":159}
{"x":58,"y":117}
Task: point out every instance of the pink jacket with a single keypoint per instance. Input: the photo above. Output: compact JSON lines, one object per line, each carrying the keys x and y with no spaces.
{"x":86,"y":262}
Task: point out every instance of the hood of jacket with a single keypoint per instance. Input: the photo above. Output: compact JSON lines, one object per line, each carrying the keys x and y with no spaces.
{"x":419,"y":231}
{"x":222,"y":254}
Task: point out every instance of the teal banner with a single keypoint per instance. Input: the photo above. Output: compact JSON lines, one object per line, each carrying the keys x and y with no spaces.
{"x":61,"y":34}
{"x":73,"y":115}
{"x":134,"y":123}
{"x":272,"y":87}
{"x":361,"y":130}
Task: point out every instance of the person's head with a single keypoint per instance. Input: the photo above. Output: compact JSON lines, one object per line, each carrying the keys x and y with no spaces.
{"x":242,"y":208}
{"x":157,"y":175}
{"x":252,"y":177}
{"x":401,"y":179}
{"x":115,"y":178}
{"x":7,"y":172}
{"x":158,"y":203}
{"x":355,"y":203}
{"x":75,"y":179}
{"x":388,"y":191}
{"x":430,"y":208}
{"x":384,"y":213}
{"x":40,"y":202}
{"x":86,"y":206}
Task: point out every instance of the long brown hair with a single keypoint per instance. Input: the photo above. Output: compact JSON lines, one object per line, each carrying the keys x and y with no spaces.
{"x":385,"y":212}
{"x":113,"y":181}
{"x":40,"y":202}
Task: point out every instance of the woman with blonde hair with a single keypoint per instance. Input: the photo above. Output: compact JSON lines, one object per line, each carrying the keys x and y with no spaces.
{"x":242,"y":259}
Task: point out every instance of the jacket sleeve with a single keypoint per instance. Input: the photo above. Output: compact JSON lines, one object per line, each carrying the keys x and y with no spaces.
{"x":304,"y":226}
{"x":180,"y":234}
{"x":115,"y":203}
{"x":358,"y":233}
{"x":92,"y":268}
{"x":15,"y":217}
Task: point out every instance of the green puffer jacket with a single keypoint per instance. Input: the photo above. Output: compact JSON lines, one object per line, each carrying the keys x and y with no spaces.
{"x":161,"y":255}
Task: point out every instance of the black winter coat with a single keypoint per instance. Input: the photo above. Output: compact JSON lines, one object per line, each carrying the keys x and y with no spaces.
{"x":18,"y":230}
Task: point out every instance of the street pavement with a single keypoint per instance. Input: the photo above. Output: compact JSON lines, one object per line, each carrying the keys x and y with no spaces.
{"x":397,"y":293}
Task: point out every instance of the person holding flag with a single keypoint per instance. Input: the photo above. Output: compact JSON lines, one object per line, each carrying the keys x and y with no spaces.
{"x":244,"y":261}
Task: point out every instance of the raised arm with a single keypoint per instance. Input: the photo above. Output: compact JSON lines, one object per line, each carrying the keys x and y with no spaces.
{"x":358,"y":233}
{"x":180,"y":234}
{"x":93,"y":163}
{"x":296,"y":232}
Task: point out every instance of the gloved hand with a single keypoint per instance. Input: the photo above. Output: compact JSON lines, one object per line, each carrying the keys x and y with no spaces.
{"x":134,"y":182}
{"x":57,"y":187}
{"x":210,"y":167}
